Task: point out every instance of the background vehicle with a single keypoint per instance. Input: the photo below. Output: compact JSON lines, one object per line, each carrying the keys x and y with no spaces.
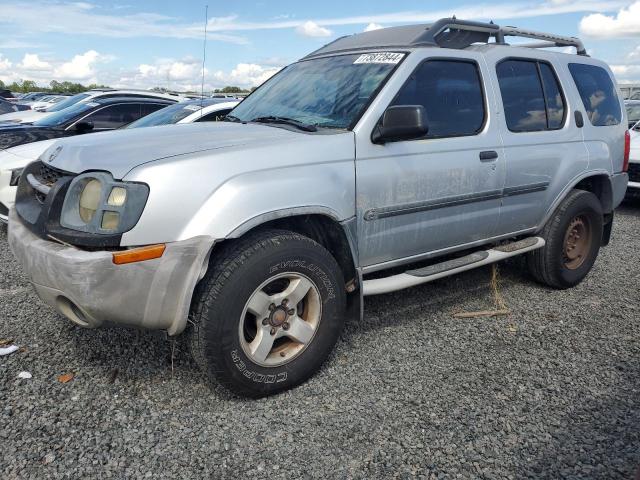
{"x":6,"y":94}
{"x":202,"y":110}
{"x":379,"y":162}
{"x":634,"y":160}
{"x":14,"y":159}
{"x":8,"y":107}
{"x":46,"y":102}
{"x":100,"y":114}
{"x":32,"y":115}
{"x":633,"y":111}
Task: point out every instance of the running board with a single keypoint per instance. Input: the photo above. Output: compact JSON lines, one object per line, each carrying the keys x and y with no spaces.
{"x":411,"y":278}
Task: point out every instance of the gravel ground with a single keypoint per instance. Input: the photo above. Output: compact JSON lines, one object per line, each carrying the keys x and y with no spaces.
{"x":551,"y":391}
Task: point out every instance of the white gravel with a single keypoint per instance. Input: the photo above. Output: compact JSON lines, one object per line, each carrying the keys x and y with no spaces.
{"x":551,"y":391}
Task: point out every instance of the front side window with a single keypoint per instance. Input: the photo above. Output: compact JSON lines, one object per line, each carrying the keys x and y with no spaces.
{"x":114,"y":116}
{"x":327,"y":92}
{"x":531,"y":96}
{"x":598,"y":94}
{"x":450,"y":92}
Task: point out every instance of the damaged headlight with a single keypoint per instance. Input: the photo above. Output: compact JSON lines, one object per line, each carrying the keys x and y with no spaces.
{"x":96,"y":203}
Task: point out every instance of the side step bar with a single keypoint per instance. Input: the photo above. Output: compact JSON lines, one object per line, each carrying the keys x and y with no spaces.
{"x":411,"y":278}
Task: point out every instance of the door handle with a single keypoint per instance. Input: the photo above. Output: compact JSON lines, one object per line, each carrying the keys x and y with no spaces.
{"x":488,"y":155}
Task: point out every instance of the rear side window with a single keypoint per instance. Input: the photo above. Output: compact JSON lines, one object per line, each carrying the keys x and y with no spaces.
{"x":451,"y":93}
{"x":598,"y":94}
{"x":531,"y":96}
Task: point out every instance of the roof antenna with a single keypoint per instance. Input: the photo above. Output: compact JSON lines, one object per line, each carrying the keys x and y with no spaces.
{"x":204,"y":57}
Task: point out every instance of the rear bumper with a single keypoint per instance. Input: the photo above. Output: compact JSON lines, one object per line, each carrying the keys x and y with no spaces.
{"x":89,"y":289}
{"x":619,"y":183}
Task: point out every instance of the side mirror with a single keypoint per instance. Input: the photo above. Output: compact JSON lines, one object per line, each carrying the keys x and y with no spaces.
{"x":401,"y":122}
{"x":84,"y":127}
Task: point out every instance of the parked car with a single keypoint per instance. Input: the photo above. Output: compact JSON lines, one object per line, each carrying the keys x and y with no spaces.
{"x":28,"y":97}
{"x":634,"y":160}
{"x":379,"y":162}
{"x":46,"y":102}
{"x":32,"y":115}
{"x":6,"y":94}
{"x":633,"y":111}
{"x":8,"y":107}
{"x":14,"y":159}
{"x":203,"y":110}
{"x":95,"y":116}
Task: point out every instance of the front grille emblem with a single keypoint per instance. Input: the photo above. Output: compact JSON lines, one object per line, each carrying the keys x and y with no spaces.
{"x":54,"y":154}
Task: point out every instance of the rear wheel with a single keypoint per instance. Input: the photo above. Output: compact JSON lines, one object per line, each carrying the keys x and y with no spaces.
{"x":268,"y":312}
{"x":573,"y":237}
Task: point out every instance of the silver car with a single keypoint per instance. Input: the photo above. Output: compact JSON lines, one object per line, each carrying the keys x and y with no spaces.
{"x":381,"y":161}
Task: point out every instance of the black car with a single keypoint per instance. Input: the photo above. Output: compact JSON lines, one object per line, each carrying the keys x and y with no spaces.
{"x":94,"y":116}
{"x":8,"y":107}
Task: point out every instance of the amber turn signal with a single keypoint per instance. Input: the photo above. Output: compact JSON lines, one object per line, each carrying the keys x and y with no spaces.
{"x":138,"y":254}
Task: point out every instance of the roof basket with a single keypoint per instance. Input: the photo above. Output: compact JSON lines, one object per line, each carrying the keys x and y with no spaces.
{"x":454,"y":33}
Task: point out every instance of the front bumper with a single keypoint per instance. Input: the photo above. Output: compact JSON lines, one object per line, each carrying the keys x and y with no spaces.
{"x":89,"y":289}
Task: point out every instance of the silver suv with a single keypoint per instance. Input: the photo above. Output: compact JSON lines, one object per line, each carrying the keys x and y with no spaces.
{"x":381,"y":161}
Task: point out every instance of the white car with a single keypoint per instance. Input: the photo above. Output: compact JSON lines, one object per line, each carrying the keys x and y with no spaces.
{"x":14,"y":159}
{"x":634,"y":160}
{"x":28,"y":116}
{"x":48,"y":102}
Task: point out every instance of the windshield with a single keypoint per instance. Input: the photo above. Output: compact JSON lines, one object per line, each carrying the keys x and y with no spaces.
{"x":60,"y":118}
{"x":68,"y":102}
{"x":325,"y":92}
{"x":166,"y":116}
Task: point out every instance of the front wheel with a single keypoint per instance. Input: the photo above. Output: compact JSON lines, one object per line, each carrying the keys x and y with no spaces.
{"x":268,"y":312}
{"x":573,"y":237}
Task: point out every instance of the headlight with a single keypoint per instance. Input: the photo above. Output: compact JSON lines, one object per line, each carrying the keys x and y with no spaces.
{"x":89,"y":200}
{"x":95,"y":203}
{"x":15,"y":177}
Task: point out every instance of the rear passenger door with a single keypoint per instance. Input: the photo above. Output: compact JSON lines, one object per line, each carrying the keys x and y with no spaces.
{"x":419,"y":196}
{"x":543,"y":148}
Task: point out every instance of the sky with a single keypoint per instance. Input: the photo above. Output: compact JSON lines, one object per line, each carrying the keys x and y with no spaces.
{"x":149,"y":43}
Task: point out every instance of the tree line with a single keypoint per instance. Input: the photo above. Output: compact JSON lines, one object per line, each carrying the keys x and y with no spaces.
{"x":26,"y":86}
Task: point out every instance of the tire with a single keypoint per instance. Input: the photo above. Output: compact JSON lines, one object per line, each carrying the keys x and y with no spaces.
{"x":557,"y":264}
{"x":241,"y":277}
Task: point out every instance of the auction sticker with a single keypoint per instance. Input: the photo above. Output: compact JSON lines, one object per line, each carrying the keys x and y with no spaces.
{"x":380,"y":57}
{"x":192,"y":108}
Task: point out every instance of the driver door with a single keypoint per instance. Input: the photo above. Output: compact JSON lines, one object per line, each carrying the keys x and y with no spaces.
{"x":420,"y":196}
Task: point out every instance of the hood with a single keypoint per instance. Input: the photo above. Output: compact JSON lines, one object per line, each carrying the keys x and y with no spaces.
{"x":14,"y":134}
{"x":122,"y":150}
{"x":23,"y":116}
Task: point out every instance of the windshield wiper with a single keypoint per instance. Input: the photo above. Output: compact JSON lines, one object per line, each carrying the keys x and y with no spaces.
{"x":287,"y":121}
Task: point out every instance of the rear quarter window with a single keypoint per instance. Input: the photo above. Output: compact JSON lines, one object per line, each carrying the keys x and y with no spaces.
{"x":598,"y":94}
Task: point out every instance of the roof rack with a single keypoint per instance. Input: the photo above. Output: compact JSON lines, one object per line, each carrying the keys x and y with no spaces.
{"x":453,"y":33}
{"x":445,"y":33}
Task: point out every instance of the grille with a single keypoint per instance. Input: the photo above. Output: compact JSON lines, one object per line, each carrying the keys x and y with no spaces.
{"x":634,"y":172}
{"x":47,"y":175}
